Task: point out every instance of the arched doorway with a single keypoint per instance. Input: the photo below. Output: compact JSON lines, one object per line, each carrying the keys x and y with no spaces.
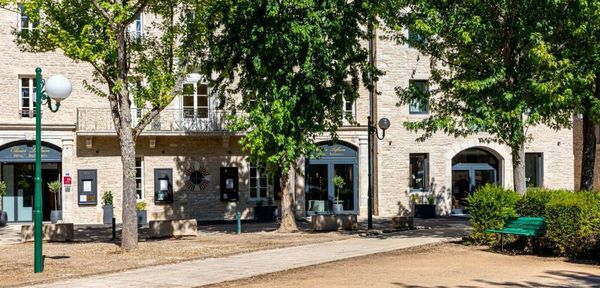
{"x":471,"y":169}
{"x":339,"y":159}
{"x":17,"y":166}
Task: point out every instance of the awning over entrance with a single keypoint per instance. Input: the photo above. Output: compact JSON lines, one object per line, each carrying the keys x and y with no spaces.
{"x":24,"y":152}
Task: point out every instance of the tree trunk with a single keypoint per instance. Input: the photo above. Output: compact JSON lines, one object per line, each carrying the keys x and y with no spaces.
{"x":588,"y":156}
{"x":129,"y":233}
{"x":288,"y":218}
{"x":518,"y":161}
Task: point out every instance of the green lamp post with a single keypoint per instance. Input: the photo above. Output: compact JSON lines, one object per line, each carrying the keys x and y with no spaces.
{"x":57,"y":88}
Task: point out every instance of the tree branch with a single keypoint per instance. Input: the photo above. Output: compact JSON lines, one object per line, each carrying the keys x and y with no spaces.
{"x":138,"y":10}
{"x":105,"y":14}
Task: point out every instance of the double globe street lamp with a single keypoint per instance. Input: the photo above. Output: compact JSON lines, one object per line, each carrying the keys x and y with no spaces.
{"x":56,"y":88}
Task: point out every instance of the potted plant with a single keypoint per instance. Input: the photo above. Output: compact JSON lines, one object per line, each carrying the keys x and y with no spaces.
{"x":142,"y":215}
{"x":107,"y":201}
{"x":338,"y":206}
{"x":427,"y":208}
{"x":54,"y":188}
{"x":3,"y":215}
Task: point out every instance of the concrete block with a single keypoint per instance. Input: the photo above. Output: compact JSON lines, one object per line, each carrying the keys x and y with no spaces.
{"x":169,"y":228}
{"x":399,"y":222}
{"x":52,"y":232}
{"x":333,"y":222}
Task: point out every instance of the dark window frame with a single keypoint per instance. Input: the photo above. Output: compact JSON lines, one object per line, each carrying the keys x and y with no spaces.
{"x":425,"y":157}
{"x":419,"y":108}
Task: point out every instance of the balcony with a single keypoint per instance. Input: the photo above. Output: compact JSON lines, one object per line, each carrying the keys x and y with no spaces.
{"x":98,"y":121}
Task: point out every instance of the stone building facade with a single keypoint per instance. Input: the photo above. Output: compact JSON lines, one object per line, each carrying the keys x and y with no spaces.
{"x":188,"y":165}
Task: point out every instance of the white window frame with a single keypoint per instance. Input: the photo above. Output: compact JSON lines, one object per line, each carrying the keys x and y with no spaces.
{"x":258,"y":186}
{"x":425,"y":157}
{"x":352,"y":111}
{"x":196,"y":106}
{"x":141,"y":195}
{"x":21,"y":15}
{"x":32,"y":90}
{"x":134,"y":32}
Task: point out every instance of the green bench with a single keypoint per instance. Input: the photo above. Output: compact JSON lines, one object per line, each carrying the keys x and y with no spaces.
{"x":522,"y":226}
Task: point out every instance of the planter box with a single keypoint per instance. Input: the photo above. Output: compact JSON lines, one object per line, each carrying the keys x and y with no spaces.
{"x":3,"y":218}
{"x":424,"y":211}
{"x":142,"y":217}
{"x":52,"y":232}
{"x":169,"y":228}
{"x":55,"y":216}
{"x":264,"y":213}
{"x":333,"y":222}
{"x":107,"y":215}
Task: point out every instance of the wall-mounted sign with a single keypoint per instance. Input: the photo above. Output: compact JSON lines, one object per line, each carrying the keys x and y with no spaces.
{"x":67,"y":180}
{"x":26,"y":153}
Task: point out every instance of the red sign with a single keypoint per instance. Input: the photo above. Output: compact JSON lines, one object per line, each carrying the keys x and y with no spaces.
{"x":67,"y":180}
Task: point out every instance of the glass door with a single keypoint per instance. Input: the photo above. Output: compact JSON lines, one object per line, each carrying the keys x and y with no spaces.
{"x":8,"y":201}
{"x":345,"y":195}
{"x":317,"y":190}
{"x":25,"y":187}
{"x":461,"y":187}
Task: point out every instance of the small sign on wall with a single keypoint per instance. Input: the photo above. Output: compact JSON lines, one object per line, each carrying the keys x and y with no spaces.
{"x":67,"y":180}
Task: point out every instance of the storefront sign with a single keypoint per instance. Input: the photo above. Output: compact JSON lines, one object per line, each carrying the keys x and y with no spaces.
{"x":337,"y":150}
{"x":67,"y":180}
{"x":26,"y":153}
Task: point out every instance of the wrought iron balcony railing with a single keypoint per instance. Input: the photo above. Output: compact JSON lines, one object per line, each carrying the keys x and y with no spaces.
{"x":169,"y":121}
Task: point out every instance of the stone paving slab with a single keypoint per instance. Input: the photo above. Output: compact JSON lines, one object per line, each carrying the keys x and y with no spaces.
{"x":215,"y":270}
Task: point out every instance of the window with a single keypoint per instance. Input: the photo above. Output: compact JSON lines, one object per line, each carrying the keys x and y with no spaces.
{"x":195,"y":101}
{"x":349,"y":109}
{"x":533,"y":169}
{"x":414,"y":38}
{"x":27,"y":90}
{"x":421,"y":104}
{"x":135,"y":28}
{"x":24,"y":22}
{"x":139,"y":178}
{"x":258,"y":182}
{"x":419,"y":172}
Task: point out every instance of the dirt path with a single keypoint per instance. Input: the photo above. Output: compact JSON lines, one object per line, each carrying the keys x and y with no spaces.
{"x":449,"y":265}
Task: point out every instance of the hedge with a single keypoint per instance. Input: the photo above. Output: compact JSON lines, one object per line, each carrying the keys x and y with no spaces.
{"x":489,"y":207}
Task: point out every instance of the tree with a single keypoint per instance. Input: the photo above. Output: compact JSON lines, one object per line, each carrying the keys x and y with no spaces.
{"x":579,"y":41}
{"x":125,"y":66}
{"x":492,"y":68}
{"x":292,"y":63}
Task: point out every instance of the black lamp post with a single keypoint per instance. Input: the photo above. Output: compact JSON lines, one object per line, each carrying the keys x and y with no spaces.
{"x":384,"y":124}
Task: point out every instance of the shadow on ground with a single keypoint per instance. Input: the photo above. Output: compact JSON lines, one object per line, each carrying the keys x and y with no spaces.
{"x":561,"y":278}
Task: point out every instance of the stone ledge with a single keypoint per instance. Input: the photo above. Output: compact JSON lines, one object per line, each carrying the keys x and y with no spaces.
{"x":333,"y":222}
{"x":52,"y":232}
{"x":170,"y":228}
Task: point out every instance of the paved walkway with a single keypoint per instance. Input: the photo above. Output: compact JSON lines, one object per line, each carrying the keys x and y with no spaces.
{"x":209,"y":271}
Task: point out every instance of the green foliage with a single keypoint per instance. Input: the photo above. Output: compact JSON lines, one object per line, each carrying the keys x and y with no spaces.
{"x":2,"y":188}
{"x":493,"y":67}
{"x":574,"y":224}
{"x":338,"y":182}
{"x":294,"y":63}
{"x":534,"y":202}
{"x":107,"y":198}
{"x":140,"y":206}
{"x":54,"y":186}
{"x":489,"y":207}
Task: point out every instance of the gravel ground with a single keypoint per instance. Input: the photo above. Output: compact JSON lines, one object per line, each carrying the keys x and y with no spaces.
{"x":68,"y":260}
{"x":442,"y":266}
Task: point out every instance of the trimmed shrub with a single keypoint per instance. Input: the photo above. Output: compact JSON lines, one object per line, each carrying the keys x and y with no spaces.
{"x":489,"y":207}
{"x":574,"y":224}
{"x":535,"y":200}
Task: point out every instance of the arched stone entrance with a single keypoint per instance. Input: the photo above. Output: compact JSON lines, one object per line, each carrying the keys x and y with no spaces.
{"x":471,"y":169}
{"x":17,"y":166}
{"x":339,"y":159}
